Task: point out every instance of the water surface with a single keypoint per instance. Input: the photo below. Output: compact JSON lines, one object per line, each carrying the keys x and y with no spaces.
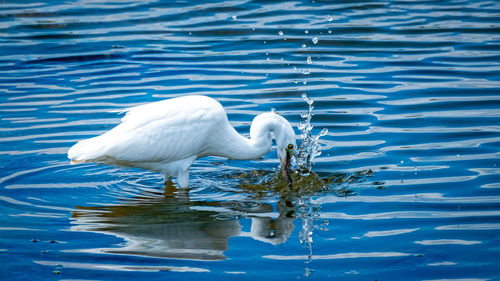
{"x":408,"y":90}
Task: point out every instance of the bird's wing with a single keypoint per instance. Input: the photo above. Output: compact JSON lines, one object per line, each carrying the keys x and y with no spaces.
{"x":163,"y":131}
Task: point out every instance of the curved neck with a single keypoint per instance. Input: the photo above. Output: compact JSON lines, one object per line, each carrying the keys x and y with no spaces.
{"x":260,"y":142}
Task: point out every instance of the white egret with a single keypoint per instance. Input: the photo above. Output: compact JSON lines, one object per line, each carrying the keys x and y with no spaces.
{"x":167,"y":136}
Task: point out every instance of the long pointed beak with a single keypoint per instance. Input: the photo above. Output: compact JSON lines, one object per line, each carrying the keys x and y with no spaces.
{"x":286,"y":165}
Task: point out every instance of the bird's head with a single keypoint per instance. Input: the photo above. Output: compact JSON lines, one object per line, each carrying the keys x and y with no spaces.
{"x":283,"y":134}
{"x":285,"y":142}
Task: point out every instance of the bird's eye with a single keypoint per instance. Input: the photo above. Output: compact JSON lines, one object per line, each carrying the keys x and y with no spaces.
{"x":290,"y":146}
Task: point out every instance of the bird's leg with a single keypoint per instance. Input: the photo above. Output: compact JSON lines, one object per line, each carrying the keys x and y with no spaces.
{"x":170,"y":188}
{"x":183,"y":178}
{"x":285,"y":172}
{"x":167,"y":178}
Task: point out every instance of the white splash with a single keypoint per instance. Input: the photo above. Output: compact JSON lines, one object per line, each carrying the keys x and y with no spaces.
{"x":309,"y":147}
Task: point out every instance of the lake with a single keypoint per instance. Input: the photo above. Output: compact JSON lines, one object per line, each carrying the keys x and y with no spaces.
{"x":407,"y":186}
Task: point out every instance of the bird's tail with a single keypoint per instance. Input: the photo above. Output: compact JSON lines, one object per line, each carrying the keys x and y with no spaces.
{"x":87,"y":150}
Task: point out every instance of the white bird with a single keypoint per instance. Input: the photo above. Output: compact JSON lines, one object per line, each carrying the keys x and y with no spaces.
{"x":167,"y":136}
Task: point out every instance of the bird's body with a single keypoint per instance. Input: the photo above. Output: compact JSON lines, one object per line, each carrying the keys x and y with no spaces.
{"x":167,"y":136}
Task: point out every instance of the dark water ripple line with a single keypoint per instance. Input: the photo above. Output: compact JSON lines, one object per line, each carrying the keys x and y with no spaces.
{"x":411,"y":215}
{"x":121,"y":267}
{"x":26,"y":205}
{"x":417,"y":198}
{"x":432,"y":129}
{"x":467,"y":143}
{"x":461,"y":157}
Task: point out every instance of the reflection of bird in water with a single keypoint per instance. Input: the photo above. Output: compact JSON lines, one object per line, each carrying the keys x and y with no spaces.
{"x":173,"y":226}
{"x":275,"y":231}
{"x":160,"y":226}
{"x":167,"y":136}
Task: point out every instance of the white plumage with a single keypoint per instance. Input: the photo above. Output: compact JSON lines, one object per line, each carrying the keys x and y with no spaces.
{"x":167,"y":136}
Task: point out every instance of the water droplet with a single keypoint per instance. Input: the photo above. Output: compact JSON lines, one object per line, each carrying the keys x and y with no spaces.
{"x":329,"y":31}
{"x":306,"y":31}
{"x":234,"y":17}
{"x":304,"y":82}
{"x":304,"y":45}
{"x":267,"y":59}
{"x":190,"y":33}
{"x":329,"y":18}
{"x":280,"y":33}
{"x":402,"y":161}
{"x":295,"y":68}
{"x":315,"y":40}
{"x":308,"y":272}
{"x":309,"y":60}
{"x":306,"y":71}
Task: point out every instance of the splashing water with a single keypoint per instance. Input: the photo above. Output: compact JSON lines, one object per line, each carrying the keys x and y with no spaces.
{"x":307,"y":150}
{"x":308,"y":212}
{"x":309,"y":147}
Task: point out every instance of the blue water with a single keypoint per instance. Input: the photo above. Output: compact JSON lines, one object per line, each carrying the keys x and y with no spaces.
{"x":407,"y":186}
